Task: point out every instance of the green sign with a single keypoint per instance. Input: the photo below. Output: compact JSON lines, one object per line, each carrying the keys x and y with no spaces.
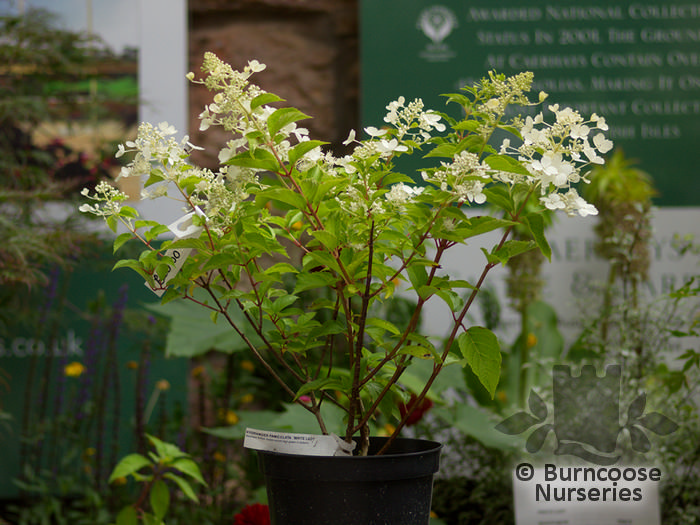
{"x":82,"y":377}
{"x":635,"y":63}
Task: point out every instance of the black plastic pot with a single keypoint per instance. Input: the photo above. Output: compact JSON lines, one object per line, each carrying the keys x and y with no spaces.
{"x":392,"y":489}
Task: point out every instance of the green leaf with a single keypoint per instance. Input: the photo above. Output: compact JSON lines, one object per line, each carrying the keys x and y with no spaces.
{"x":508,"y":250}
{"x":286,"y":196}
{"x":186,"y":336}
{"x":384,"y":325}
{"x":302,"y":149}
{"x":121,"y":240}
{"x":127,"y":516}
{"x":535,"y":224}
{"x":481,"y":349}
{"x":167,"y":452}
{"x":265,"y":98}
{"x":506,"y":163}
{"x":183,"y":485}
{"x":128,"y":465}
{"x":329,"y":241}
{"x":311,"y":280}
{"x":325,"y":383}
{"x":189,"y":467}
{"x":283,"y":117}
{"x":160,"y":499}
{"x":259,"y":158}
{"x":417,"y":275}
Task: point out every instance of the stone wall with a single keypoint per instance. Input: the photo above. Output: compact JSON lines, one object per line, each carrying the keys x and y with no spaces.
{"x":310,"y":48}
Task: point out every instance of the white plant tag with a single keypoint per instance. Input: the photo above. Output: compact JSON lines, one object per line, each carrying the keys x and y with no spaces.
{"x":301,"y":444}
{"x":182,"y":228}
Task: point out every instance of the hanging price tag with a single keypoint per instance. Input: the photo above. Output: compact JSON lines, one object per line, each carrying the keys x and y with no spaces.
{"x":183,"y":228}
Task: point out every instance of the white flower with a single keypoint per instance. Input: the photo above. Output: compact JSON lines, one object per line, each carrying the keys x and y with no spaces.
{"x":579,"y":131}
{"x":429,"y":120}
{"x":570,"y":202}
{"x":256,"y":66}
{"x":604,"y":145}
{"x":552,"y":169}
{"x":350,"y":139}
{"x":390,"y":146}
{"x":599,"y":122}
{"x":166,"y":129}
{"x":401,"y":193}
{"x":374,"y":132}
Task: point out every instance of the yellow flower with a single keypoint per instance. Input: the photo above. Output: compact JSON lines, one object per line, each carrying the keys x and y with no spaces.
{"x":229,"y":416}
{"x":297,"y":225}
{"x":247,"y":398}
{"x":132,"y":365}
{"x":163,"y":385}
{"x":531,"y":340}
{"x":501,"y":396}
{"x":248,"y":366}
{"x":197,"y":371}
{"x":387,"y":430}
{"x":219,"y":456}
{"x":74,"y":369}
{"x":119,"y":481}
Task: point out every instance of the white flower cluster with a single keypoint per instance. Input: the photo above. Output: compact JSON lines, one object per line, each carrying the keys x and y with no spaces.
{"x":231,"y":107}
{"x":554,"y":154}
{"x":464,"y":177}
{"x":107,"y":200}
{"x":155,"y":147}
{"x":412,"y":117}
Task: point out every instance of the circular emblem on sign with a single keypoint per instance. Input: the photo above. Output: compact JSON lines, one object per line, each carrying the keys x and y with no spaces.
{"x":437,"y":22}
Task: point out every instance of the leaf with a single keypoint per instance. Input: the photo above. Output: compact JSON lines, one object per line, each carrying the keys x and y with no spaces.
{"x":189,"y":467}
{"x":186,"y":336}
{"x":167,"y":452}
{"x":302,"y":149}
{"x":640,"y":442}
{"x":259,"y":158}
{"x":658,"y":423}
{"x":127,"y":516}
{"x":482,"y":351}
{"x":536,"y":440}
{"x":329,"y":241}
{"x":509,"y":249}
{"x":537,"y":406}
{"x":325,"y":383}
{"x":417,"y":275}
{"x":160,"y":499}
{"x":506,"y":163}
{"x":517,"y":423}
{"x":283,"y":117}
{"x":129,"y":465}
{"x":636,"y":408}
{"x":286,"y":196}
{"x":121,"y":240}
{"x":535,"y":223}
{"x":310,"y":280}
{"x":184,"y":486}
{"x":262,"y":99}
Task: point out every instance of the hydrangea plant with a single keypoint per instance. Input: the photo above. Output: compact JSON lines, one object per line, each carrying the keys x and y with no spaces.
{"x":298,"y":249}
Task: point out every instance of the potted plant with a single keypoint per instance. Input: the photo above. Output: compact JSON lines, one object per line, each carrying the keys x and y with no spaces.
{"x":297,"y":249}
